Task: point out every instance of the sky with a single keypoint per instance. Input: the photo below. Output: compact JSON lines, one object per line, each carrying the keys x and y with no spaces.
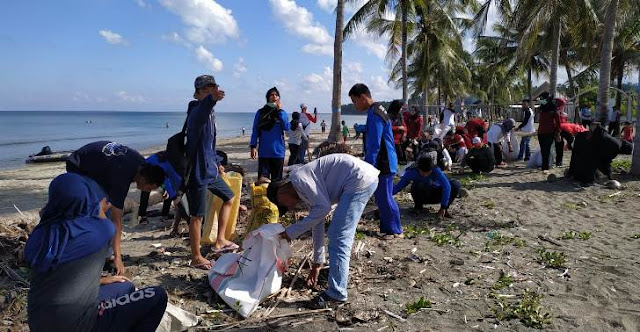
{"x":143,"y":55}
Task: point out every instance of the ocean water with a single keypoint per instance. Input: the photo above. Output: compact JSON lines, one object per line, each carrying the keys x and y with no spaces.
{"x":23,"y":133}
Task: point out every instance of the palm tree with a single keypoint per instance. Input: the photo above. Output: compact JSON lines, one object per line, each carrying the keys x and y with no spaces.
{"x":635,"y":159}
{"x":605,"y":58}
{"x":334,"y":133}
{"x":378,"y":8}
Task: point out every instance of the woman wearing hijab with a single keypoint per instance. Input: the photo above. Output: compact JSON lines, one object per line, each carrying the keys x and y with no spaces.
{"x":66,"y":252}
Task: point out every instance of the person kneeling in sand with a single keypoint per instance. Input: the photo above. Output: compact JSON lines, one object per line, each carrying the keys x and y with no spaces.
{"x":66,"y":253}
{"x":430,"y":185}
{"x":336,"y":178}
{"x":480,"y":157}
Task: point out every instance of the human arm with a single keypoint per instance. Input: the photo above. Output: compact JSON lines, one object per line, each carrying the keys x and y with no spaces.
{"x":408,"y":176}
{"x":116,"y":217}
{"x":313,"y":118}
{"x":253,"y":143}
{"x":204,"y":109}
{"x":112,"y":279}
{"x":527,"y":115}
{"x":373,"y":129}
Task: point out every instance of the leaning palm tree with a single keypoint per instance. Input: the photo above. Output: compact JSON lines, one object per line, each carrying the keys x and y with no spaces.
{"x":334,"y":133}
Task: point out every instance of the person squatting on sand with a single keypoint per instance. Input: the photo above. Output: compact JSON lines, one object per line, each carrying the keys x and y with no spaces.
{"x":480,"y":157}
{"x":336,"y":178}
{"x":429,"y":185}
{"x":380,"y":152}
{"x":66,"y":252}
{"x":114,"y":166}
{"x":205,"y":169}
{"x":267,"y":137}
{"x":497,"y":132}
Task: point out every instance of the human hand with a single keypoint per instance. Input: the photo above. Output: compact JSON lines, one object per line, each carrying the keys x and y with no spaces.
{"x":165,"y":195}
{"x":278,"y":104}
{"x":113,"y":279}
{"x":218,"y":95}
{"x":441,"y":213}
{"x":104,"y":207}
{"x":117,"y":261}
{"x":254,"y":153}
{"x":312,"y":279}
{"x":220,"y":169}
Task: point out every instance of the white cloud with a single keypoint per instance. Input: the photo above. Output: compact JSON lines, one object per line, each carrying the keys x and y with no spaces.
{"x":370,"y":43}
{"x":239,"y":67}
{"x":206,"y":21}
{"x":206,"y":58}
{"x":318,"y":83}
{"x":328,"y":5}
{"x":299,"y":21}
{"x":113,"y":38}
{"x":326,"y":49}
{"x":126,"y":97}
{"x":175,"y":37}
{"x":142,"y":4}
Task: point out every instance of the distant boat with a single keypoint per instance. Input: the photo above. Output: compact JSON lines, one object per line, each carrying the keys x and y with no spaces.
{"x":47,"y":156}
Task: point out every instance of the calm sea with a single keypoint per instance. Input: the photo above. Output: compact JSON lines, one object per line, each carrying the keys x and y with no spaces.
{"x":24,"y":133}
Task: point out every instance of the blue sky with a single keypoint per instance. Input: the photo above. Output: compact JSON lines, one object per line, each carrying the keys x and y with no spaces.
{"x":144,"y":54}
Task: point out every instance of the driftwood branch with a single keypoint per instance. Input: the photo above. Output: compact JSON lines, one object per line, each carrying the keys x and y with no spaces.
{"x":261,"y":320}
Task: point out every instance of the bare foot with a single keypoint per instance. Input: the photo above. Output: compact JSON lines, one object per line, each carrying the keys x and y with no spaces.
{"x":222,"y":243}
{"x":200,"y":263}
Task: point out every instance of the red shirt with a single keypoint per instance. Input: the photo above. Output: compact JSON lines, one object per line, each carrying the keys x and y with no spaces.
{"x":399,"y":130}
{"x":414,"y":125}
{"x":549,"y":122}
{"x":572,"y":128}
{"x":474,"y":125}
{"x":456,"y":140}
{"x":627,"y":133}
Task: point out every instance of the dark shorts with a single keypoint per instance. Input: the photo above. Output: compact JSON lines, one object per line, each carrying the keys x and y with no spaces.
{"x":197,"y":197}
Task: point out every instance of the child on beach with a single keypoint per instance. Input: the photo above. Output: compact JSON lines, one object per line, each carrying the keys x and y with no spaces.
{"x":296,"y":135}
{"x":205,"y":169}
{"x":345,"y":132}
{"x":380,"y":152}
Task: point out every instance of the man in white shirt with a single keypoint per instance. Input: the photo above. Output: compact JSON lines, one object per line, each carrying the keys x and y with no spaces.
{"x":306,"y":119}
{"x":496,"y":133}
{"x":336,"y":178}
{"x":448,"y":121}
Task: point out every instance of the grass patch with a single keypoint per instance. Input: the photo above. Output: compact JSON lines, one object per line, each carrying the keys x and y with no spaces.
{"x":489,"y":204}
{"x":621,"y":164}
{"x":360,"y":235}
{"x":552,"y":259}
{"x":528,"y":310}
{"x":570,"y":206}
{"x":469,"y":180}
{"x":417,"y":305}
{"x":411,"y":231}
{"x":504,"y":281}
{"x":498,"y":239}
{"x":446,"y":237}
{"x":573,"y":235}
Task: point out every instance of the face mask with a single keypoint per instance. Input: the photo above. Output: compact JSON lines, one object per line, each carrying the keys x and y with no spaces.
{"x":272,"y":105}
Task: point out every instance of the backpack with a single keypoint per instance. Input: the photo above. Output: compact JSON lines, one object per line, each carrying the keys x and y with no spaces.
{"x":176,"y":154}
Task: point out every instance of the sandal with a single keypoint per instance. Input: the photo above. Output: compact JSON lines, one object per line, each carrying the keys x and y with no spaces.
{"x":323,"y":301}
{"x":229,"y":247}
{"x":202,"y":266}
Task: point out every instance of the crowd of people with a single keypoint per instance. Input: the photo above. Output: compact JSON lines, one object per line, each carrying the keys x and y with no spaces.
{"x":68,"y":248}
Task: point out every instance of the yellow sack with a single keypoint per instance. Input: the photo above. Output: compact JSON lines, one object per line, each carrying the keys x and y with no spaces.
{"x":263,"y":211}
{"x":214,"y":204}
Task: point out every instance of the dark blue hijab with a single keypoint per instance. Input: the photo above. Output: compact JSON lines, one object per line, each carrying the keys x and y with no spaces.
{"x":70,"y":226}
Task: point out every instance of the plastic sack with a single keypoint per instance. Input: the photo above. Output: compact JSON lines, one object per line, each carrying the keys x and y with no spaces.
{"x":245,"y":279}
{"x":210,"y":226}
{"x":536,"y":158}
{"x":262,"y":211}
{"x":176,"y":319}
{"x":515,"y":145}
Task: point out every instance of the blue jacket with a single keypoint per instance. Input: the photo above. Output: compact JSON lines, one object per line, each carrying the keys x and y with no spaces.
{"x":380,"y":150}
{"x":172,"y":181}
{"x":201,"y":142}
{"x":270,"y":142}
{"x":437,"y":179}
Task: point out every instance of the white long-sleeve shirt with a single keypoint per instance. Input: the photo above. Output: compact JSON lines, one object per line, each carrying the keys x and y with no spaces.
{"x":296,"y":135}
{"x":320,"y":184}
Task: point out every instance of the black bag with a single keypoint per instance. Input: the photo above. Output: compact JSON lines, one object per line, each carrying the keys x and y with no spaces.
{"x":626,"y":148}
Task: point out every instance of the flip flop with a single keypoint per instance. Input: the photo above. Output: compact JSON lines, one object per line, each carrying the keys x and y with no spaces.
{"x":202,"y":266}
{"x":229,"y":247}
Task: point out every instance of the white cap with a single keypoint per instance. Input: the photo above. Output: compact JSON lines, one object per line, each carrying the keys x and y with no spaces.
{"x":476,"y":140}
{"x":303,"y":106}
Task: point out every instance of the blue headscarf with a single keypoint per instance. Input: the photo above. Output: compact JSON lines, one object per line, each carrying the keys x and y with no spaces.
{"x":72,"y":210}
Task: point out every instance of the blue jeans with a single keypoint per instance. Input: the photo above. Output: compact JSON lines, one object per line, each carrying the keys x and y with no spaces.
{"x":525,"y":149}
{"x":341,"y":233}
{"x":302,"y":152}
{"x":387,"y":206}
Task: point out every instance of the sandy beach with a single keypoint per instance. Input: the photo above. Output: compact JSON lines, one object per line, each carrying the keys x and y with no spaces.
{"x":485,"y":269}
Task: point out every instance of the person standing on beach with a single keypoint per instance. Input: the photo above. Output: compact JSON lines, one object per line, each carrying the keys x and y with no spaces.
{"x":114,"y":166}
{"x":549,"y":126}
{"x":380,"y":152}
{"x":526,"y":127}
{"x":306,"y":119}
{"x":243,"y":130}
{"x":323,"y":125}
{"x":333,"y":179}
{"x":267,"y":137}
{"x":585,"y":115}
{"x":614,"y":122}
{"x":296,"y":135}
{"x":205,"y":169}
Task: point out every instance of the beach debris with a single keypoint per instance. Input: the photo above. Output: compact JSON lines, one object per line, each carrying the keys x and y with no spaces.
{"x":415,"y":258}
{"x":394,"y":315}
{"x":615,"y":194}
{"x":552,"y":178}
{"x":546,"y":239}
{"x":612,"y":184}
{"x":456,"y":261}
{"x":388,"y":259}
{"x":156,"y":245}
{"x":412,"y":283}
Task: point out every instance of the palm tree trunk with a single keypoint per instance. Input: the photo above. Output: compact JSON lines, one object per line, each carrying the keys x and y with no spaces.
{"x":572,"y":89}
{"x":620,"y":74}
{"x":405,"y":83}
{"x":425,"y":114}
{"x":605,"y":59}
{"x":635,"y":159}
{"x":555,"y":56}
{"x":334,"y":133}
